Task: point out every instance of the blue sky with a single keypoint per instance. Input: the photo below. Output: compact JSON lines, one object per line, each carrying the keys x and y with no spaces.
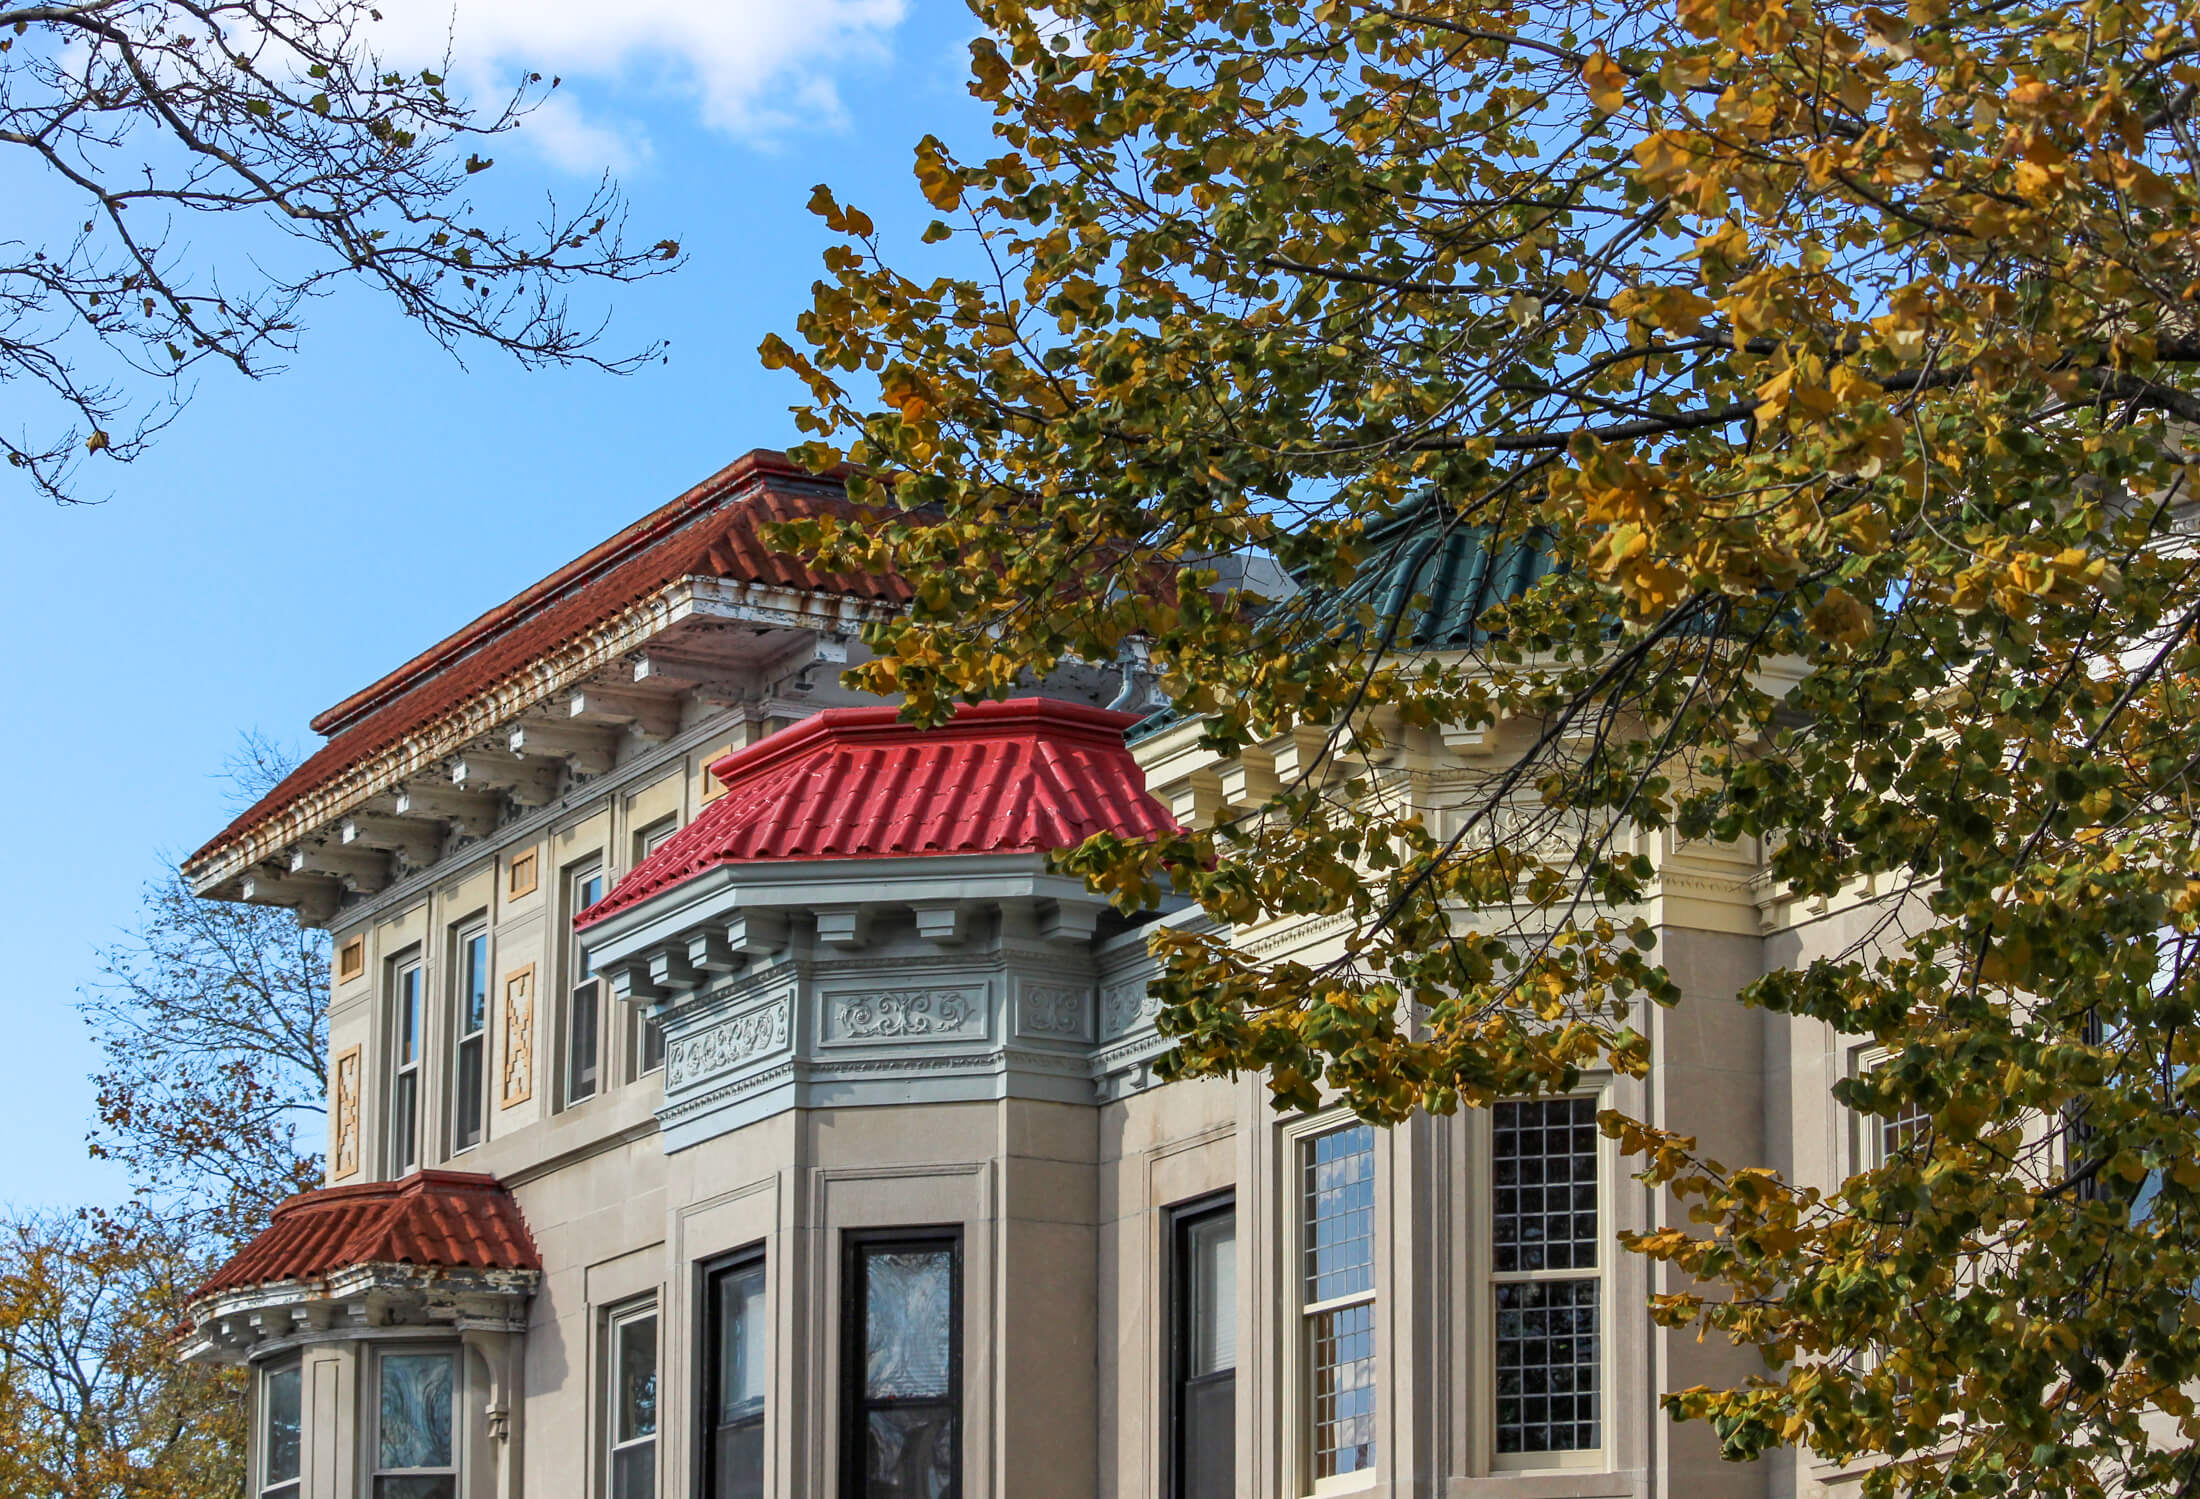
{"x":288,"y":541}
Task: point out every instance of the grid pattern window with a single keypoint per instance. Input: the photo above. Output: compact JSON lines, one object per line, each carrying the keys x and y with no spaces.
{"x":1545,"y":1192}
{"x":901,"y":1367}
{"x":1337,"y":1195}
{"x":735,"y":1334}
{"x":415,"y":1444}
{"x":280,"y":1417}
{"x":584,"y":999}
{"x":631,"y":1420}
{"x":470,"y":1106}
{"x":1203,"y":1359}
{"x":1905,"y":1128}
{"x":408,"y":1043}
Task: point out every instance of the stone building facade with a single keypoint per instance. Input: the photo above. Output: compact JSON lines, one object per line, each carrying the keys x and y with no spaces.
{"x":726,"y":1100}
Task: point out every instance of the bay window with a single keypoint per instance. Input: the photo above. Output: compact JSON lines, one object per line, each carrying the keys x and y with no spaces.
{"x":1337,"y":1302}
{"x":735,"y":1343}
{"x":1546,"y":1291}
{"x":901,"y":1366}
{"x":415,"y":1443}
{"x":281,"y":1410}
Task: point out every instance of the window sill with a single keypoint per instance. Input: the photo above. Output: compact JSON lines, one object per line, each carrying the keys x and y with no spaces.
{"x":1544,"y":1483}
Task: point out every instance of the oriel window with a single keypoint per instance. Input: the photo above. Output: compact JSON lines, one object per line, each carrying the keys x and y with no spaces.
{"x":281,"y":1411}
{"x":1544,"y":1229}
{"x":415,"y":1444}
{"x":632,"y":1422}
{"x":735,"y":1345}
{"x":584,"y":1000}
{"x":901,"y":1366}
{"x":1337,"y":1290}
{"x":408,"y":1037}
{"x":1203,"y":1352}
{"x":469,"y":1109}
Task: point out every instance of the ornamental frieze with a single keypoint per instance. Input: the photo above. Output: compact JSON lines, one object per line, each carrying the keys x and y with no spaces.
{"x":908,"y":1014}
{"x":739,"y":1038}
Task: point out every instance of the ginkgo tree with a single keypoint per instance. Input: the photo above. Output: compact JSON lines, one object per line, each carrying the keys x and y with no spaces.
{"x":1835,"y":364}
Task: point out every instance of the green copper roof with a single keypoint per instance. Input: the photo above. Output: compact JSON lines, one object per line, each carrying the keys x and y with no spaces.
{"x":1436,"y":581}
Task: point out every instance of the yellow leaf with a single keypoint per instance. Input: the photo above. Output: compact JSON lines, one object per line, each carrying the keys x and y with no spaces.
{"x":1607,"y":84}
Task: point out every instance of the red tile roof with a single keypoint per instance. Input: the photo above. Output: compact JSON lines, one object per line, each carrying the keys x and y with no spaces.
{"x":1026,"y":776}
{"x":439,"y":1219}
{"x":710,"y":531}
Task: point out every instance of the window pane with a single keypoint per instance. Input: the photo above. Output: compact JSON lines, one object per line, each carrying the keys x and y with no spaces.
{"x":469,"y":1108}
{"x":408,"y":1016}
{"x":1544,"y":1184}
{"x":634,"y":1472}
{"x":405,"y":1123}
{"x":637,"y":1397}
{"x":1210,"y":1439}
{"x":910,"y":1452}
{"x":477,"y":983}
{"x":583,"y":1050}
{"x":1547,"y":1365}
{"x":1340,"y":1213}
{"x":415,"y":1430}
{"x":739,"y":1324}
{"x":908,"y":1302}
{"x":418,"y":1486}
{"x":1211,"y":1248}
{"x":1344,"y":1390}
{"x":282,"y":1426}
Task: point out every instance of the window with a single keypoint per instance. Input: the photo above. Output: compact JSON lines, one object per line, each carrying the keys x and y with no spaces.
{"x":654,"y":837}
{"x":1337,"y":1294}
{"x":470,"y":1108}
{"x":1203,"y":1353}
{"x":584,"y":1000}
{"x":632,"y":1422}
{"x":279,"y":1416}
{"x":415,"y":1451}
{"x":901,"y":1367}
{"x":736,"y":1322}
{"x":646,"y":1033}
{"x":1546,"y":1297}
{"x":408,"y":1034}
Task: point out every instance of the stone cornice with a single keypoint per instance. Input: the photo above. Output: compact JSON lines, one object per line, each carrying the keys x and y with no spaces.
{"x":558,"y":669}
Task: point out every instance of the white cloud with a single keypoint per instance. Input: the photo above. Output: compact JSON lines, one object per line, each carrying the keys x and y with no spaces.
{"x":757,"y":69}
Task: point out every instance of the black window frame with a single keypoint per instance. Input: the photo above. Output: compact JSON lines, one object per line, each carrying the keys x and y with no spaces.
{"x":852,"y":1408}
{"x":707,"y":1275}
{"x":1183,"y":1219}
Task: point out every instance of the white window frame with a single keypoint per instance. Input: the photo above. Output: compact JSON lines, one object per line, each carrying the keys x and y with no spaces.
{"x":1486,"y":1279}
{"x":464,"y":975}
{"x":405,"y":1118}
{"x":1297,"y":1338}
{"x":640,"y":1025}
{"x":577,"y":971}
{"x":265,"y":1485}
{"x":456,"y":1468}
{"x":1868,"y":1140}
{"x":616,"y":1326}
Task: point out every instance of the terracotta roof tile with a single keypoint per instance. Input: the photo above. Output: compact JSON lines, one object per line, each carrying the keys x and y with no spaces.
{"x":440,"y":1219}
{"x":710,"y":531}
{"x":1026,"y":776}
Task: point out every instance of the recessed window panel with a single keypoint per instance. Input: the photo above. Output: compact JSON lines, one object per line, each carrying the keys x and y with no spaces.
{"x":415,"y":1448}
{"x":281,"y":1413}
{"x":902,"y":1401}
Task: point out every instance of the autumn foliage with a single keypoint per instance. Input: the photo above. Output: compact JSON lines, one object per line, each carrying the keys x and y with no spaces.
{"x":1839,"y":359}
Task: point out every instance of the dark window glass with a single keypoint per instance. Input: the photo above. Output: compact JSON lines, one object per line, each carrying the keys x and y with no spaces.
{"x":1544,"y":1165}
{"x":1203,"y":1376}
{"x":1547,"y":1364}
{"x":279,"y":1468}
{"x":901,"y":1390}
{"x":470,"y":1108}
{"x":735,"y":1343}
